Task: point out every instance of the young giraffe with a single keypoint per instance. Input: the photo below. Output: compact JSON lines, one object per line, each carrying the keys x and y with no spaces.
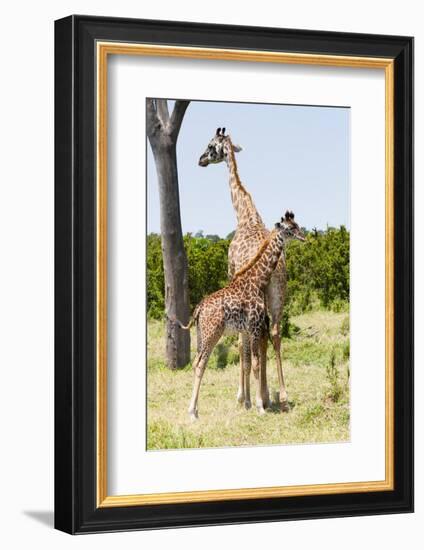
{"x":241,"y":306}
{"x":249,"y":235}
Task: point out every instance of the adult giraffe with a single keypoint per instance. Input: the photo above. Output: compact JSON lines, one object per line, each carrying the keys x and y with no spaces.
{"x":249,"y":235}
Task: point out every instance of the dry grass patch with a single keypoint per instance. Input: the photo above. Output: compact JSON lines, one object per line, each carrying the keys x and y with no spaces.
{"x":316,"y":367}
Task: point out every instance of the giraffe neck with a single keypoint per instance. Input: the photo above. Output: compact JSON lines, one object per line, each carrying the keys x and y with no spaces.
{"x":242,"y":201}
{"x":260,"y":268}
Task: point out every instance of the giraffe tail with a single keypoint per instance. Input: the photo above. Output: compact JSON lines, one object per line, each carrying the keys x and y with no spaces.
{"x":179,"y":323}
{"x":193,"y":320}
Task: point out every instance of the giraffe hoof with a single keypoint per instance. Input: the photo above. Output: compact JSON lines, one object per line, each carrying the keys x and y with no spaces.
{"x":240,"y":397}
{"x":283,"y":401}
{"x":261,"y":411}
{"x":284,"y":406}
{"x":194,"y":416}
{"x":247,"y":405}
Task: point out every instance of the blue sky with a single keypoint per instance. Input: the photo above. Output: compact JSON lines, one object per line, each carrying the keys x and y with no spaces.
{"x":294,"y":157}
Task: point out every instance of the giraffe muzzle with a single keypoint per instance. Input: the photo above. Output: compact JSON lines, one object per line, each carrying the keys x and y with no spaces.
{"x":203,"y":160}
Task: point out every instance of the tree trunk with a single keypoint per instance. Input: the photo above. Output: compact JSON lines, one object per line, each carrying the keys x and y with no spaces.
{"x":163,"y":132}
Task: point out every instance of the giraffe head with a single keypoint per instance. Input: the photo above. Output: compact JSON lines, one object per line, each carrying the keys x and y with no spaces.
{"x":217,"y":148}
{"x":290,"y":228}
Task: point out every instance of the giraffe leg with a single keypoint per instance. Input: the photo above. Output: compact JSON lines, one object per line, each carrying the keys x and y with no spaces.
{"x":247,"y":365}
{"x":263,"y":349}
{"x":199,"y":365}
{"x":206,"y":345}
{"x":240,"y":392}
{"x":256,"y":366}
{"x":243,"y":394}
{"x":276,"y":341}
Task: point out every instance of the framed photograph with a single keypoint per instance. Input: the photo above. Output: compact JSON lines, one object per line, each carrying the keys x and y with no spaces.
{"x":234,"y":274}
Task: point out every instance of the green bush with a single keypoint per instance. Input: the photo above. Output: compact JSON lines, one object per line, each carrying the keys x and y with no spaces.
{"x":155,"y":278}
{"x":207,"y":265}
{"x":207,"y":260}
{"x":317,"y":272}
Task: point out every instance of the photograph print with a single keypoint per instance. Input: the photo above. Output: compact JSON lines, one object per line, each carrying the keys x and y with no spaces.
{"x":248,"y":239}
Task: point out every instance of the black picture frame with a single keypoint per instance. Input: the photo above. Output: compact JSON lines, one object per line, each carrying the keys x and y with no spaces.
{"x":76,"y":510}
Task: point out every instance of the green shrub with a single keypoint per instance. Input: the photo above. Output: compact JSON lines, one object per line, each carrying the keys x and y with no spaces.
{"x":317,"y":272}
{"x":333,"y":378}
{"x":345,"y":328}
{"x":346,"y":350}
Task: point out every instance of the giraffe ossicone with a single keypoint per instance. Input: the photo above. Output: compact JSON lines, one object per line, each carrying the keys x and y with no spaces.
{"x":218,"y":149}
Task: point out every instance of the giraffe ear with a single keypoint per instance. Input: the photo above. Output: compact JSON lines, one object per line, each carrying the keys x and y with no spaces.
{"x":223,"y":132}
{"x":237,"y":148}
{"x":278,"y":225}
{"x":291,"y":215}
{"x":218,"y":130}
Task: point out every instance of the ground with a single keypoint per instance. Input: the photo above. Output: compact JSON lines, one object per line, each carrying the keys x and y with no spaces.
{"x":316,"y":368}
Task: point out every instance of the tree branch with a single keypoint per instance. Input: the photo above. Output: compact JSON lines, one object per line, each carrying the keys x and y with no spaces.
{"x":153,"y":123}
{"x":162,"y":111}
{"x":177,"y":117}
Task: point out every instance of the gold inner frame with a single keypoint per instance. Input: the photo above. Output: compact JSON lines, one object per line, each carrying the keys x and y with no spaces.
{"x":104,"y":49}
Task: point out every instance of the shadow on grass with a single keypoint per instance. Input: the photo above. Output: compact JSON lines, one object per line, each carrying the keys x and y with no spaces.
{"x":222,"y":355}
{"x":275,"y":407}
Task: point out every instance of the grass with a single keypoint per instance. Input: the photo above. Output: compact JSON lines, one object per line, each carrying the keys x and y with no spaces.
{"x":316,"y":369}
